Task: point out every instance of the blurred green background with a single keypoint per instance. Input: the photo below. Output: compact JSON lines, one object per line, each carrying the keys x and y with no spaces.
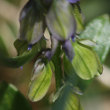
{"x":97,"y":95}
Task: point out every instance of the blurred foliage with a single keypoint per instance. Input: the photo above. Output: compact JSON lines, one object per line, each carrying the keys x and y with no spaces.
{"x":14,"y":2}
{"x":12,"y":99}
{"x":9,"y":24}
{"x":94,"y":8}
{"x":98,"y":32}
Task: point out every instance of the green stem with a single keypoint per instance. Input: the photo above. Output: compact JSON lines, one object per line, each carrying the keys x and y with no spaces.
{"x":58,"y":69}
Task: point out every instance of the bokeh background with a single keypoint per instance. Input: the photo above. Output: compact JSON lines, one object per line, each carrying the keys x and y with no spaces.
{"x":97,"y":95}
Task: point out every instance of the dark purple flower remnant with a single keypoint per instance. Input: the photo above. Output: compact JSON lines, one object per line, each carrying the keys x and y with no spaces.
{"x":29,"y":46}
{"x":67,"y":47}
{"x":73,"y":1}
{"x":73,"y":38}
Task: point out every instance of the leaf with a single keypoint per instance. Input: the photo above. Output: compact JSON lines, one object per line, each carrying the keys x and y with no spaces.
{"x":86,"y":63}
{"x":13,"y":28}
{"x":99,"y":31}
{"x":7,"y":36}
{"x":3,"y":48}
{"x":27,"y":56}
{"x":12,"y":99}
{"x":40,"y":81}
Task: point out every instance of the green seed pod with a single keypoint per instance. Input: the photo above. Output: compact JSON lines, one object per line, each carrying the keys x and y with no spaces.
{"x":31,"y":23}
{"x":86,"y":63}
{"x":60,"y":20}
{"x":40,"y":81}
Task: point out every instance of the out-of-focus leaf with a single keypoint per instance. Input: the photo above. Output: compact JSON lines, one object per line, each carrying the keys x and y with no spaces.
{"x":99,"y":31}
{"x":13,"y":28}
{"x":67,"y":100}
{"x":107,"y":61}
{"x":12,"y":99}
{"x":78,"y":18}
{"x":40,"y":81}
{"x":25,"y":57}
{"x":68,"y":49}
{"x":17,"y":2}
{"x":86,"y":63}
{"x":9,"y":36}
{"x":83,"y":84}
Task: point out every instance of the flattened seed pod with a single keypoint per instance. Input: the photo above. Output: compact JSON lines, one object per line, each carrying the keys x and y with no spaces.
{"x":60,"y":20}
{"x":31,"y":23}
{"x":40,"y":81}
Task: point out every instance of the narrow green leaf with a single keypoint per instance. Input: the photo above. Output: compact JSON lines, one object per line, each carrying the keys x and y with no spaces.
{"x":99,"y":31}
{"x":12,"y":99}
{"x":40,"y":81}
{"x":13,"y":28}
{"x":86,"y":63}
{"x":27,"y":56}
{"x":3,"y":48}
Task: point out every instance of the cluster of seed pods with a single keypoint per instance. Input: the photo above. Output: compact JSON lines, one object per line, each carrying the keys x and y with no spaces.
{"x":56,"y":16}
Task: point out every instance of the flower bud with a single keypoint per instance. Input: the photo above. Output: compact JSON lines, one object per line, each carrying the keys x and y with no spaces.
{"x":60,"y":20}
{"x":31,"y":23}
